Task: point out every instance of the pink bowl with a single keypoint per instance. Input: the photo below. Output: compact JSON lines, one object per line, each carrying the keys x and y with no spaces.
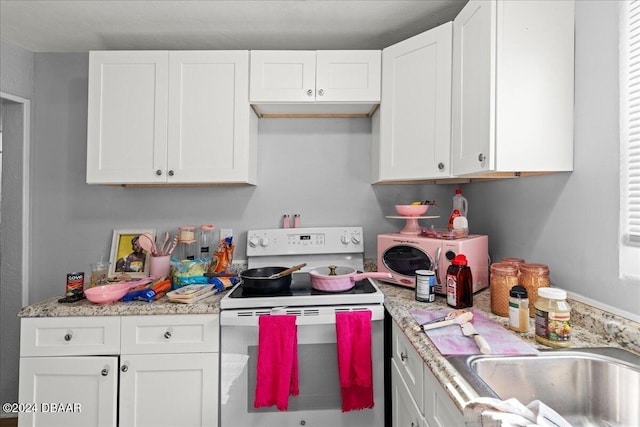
{"x":411,"y":210}
{"x":108,"y":293}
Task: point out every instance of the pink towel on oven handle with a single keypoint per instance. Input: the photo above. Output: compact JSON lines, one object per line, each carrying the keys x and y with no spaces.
{"x":353,"y":336}
{"x":277,"y":367}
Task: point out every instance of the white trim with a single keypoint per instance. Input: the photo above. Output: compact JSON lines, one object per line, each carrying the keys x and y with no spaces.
{"x":26,"y":193}
{"x":604,"y":307}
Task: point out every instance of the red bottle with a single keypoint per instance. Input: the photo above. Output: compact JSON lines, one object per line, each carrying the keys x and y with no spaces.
{"x":454,"y":214}
{"x":459,"y":283}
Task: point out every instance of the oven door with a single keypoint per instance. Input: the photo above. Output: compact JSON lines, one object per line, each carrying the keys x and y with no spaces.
{"x":402,"y":261}
{"x":319,"y":402}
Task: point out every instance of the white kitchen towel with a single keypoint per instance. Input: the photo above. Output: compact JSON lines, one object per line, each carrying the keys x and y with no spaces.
{"x":489,"y":412}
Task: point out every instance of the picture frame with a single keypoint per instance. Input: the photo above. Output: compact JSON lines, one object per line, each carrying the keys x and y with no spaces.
{"x":126,"y":256}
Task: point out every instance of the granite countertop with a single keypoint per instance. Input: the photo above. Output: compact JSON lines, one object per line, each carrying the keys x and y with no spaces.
{"x":590,"y":328}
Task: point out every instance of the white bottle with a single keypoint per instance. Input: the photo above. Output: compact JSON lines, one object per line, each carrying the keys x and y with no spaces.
{"x":460,"y":203}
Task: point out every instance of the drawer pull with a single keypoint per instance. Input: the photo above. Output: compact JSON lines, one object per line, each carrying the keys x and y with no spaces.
{"x":167,"y":334}
{"x":104,"y":372}
{"x":403,"y":356}
{"x":124,"y":368}
{"x":68,"y":336}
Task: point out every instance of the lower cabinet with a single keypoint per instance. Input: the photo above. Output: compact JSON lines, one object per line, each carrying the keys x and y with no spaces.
{"x":418,"y":398}
{"x":119,"y":371}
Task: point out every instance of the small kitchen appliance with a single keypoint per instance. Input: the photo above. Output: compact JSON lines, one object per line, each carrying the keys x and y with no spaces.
{"x":319,"y":401}
{"x":402,"y":254}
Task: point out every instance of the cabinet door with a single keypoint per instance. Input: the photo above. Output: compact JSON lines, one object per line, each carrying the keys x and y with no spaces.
{"x":405,"y":413}
{"x":209,"y":137}
{"x":69,"y":391}
{"x":168,"y":390}
{"x":474,"y":87}
{"x":415,"y":112}
{"x":348,"y":76}
{"x":439,"y":409}
{"x":282,"y":76}
{"x":127,"y":117}
{"x":409,"y":364}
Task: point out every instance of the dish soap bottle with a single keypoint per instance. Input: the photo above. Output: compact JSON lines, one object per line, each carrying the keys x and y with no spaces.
{"x":459,"y":283}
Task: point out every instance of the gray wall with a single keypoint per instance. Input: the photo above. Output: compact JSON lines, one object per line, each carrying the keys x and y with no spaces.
{"x":16,"y":78}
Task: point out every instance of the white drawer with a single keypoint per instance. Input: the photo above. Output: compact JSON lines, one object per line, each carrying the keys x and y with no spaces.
{"x":191,"y":333}
{"x":69,"y":336}
{"x":409,"y":364}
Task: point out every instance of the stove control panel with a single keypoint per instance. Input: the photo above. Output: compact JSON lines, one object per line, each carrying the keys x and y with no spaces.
{"x":300,"y":241}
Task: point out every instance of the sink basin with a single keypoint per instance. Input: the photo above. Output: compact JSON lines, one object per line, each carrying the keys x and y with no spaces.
{"x":588,"y":387}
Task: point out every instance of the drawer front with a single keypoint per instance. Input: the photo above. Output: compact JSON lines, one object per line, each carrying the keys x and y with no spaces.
{"x":197,"y":333}
{"x":69,"y":336}
{"x":409,"y":364}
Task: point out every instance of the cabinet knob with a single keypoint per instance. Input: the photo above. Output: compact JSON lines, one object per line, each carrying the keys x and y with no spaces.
{"x":481,"y":157}
{"x":321,"y":92}
{"x":124,"y":368}
{"x":167,"y":334}
{"x":170,"y":173}
{"x":441,"y":166}
{"x":403,"y":356}
{"x":309,"y":92}
{"x":104,"y":372}
{"x":158,"y":172}
{"x":68,"y":336}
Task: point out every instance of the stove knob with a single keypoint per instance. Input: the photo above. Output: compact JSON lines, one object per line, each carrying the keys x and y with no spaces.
{"x":345,"y":240}
{"x":264,"y":242}
{"x":253,"y":242}
{"x":356,"y":239}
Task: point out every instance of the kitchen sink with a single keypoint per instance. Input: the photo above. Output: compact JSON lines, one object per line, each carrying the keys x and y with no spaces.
{"x":587,"y":386}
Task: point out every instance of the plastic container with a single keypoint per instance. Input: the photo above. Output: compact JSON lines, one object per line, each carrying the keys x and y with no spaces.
{"x":460,"y":203}
{"x":533,"y":277}
{"x":206,"y":241}
{"x":459,"y":283}
{"x":503,"y":277}
{"x":425,"y":286}
{"x":553,"y":318}
{"x":518,"y":309}
{"x":186,"y":233}
{"x":99,"y":273}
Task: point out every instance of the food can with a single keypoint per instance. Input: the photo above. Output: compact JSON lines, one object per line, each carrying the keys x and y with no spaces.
{"x":425,"y":286}
{"x":75,"y":285}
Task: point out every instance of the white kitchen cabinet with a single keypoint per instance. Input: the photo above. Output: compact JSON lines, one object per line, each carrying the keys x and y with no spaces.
{"x":153,"y":370}
{"x":412,"y":132}
{"x":418,"y":398}
{"x":178,"y":117}
{"x":513,"y":75}
{"x":289,"y":82}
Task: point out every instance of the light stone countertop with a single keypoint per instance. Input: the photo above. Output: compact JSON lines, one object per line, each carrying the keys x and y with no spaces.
{"x":590,"y":327}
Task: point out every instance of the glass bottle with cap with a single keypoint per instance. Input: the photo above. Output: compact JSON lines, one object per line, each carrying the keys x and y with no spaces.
{"x":518,"y":309}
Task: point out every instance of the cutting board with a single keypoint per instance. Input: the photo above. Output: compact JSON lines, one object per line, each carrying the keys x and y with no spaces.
{"x":451,"y":341}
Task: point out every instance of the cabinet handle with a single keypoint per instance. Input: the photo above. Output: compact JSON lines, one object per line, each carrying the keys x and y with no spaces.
{"x":403,"y":356}
{"x":321,"y":92}
{"x":68,"y":336}
{"x":481,"y":157}
{"x":309,"y":92}
{"x":170,"y":173}
{"x":440,"y":165}
{"x":167,"y":334}
{"x":104,"y":372}
{"x":158,"y":172}
{"x":124,"y":368}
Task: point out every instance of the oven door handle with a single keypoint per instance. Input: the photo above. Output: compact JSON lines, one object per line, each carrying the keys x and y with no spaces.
{"x":437,"y":263}
{"x":306,"y":315}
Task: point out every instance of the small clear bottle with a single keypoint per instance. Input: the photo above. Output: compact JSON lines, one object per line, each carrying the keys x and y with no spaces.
{"x":553,"y":318}
{"x":518,"y":309}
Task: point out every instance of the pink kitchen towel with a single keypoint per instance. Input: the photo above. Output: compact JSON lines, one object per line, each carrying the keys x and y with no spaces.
{"x":353,"y":335}
{"x":277,"y":367}
{"x":451,"y":341}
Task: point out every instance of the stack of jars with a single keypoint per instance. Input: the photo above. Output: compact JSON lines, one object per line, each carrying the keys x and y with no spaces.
{"x":510,"y":272}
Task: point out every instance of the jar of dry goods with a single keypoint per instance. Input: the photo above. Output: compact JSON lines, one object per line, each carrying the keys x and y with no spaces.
{"x":504,"y":276}
{"x":553,"y":318}
{"x":533,"y":277}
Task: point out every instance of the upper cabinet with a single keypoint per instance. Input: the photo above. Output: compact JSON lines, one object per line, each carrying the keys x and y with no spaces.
{"x":179,"y":117}
{"x":301,"y":83}
{"x":513,"y":79}
{"x":412,"y":129}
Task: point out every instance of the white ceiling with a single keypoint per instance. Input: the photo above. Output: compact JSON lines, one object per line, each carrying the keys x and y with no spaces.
{"x":81,"y":25}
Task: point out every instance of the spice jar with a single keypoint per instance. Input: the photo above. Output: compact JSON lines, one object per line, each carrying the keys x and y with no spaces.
{"x":504,"y":276}
{"x":553,"y":318}
{"x":518,"y":309}
{"x":532,"y":277}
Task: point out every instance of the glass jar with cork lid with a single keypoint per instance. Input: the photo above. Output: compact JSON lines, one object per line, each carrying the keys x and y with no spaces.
{"x":533,"y":277}
{"x":504,"y":276}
